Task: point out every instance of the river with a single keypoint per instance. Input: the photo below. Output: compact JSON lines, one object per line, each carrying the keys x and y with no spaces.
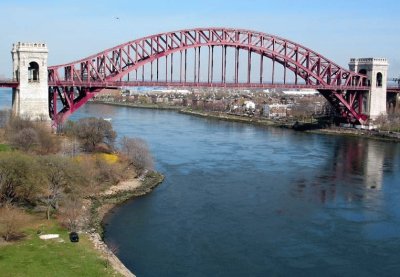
{"x":242,"y":200}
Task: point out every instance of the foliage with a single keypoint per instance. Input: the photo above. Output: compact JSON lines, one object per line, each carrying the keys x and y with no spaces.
{"x":4,"y":148}
{"x":21,"y":178}
{"x":92,"y":132}
{"x":137,"y":152}
{"x":12,"y":220}
{"x":109,"y":158}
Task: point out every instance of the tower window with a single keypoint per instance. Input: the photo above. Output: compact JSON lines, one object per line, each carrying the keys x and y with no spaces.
{"x":379,"y":79}
{"x":364,"y":72}
{"x":33,"y":72}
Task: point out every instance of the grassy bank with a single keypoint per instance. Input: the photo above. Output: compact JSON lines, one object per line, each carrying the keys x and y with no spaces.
{"x":32,"y":256}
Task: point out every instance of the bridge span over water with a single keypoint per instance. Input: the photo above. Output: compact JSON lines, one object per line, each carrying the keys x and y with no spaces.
{"x":202,"y":57}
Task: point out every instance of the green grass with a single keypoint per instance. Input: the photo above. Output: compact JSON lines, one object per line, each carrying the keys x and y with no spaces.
{"x":35,"y":257}
{"x":4,"y":147}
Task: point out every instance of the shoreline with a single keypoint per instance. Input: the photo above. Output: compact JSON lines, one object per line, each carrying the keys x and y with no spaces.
{"x":102,"y":204}
{"x":139,"y":106}
{"x":303,"y":127}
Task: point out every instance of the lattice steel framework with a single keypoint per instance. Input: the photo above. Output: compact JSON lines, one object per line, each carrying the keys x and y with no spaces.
{"x":75,"y":83}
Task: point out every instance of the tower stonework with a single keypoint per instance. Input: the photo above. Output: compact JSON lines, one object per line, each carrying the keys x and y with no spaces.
{"x":376,"y":69}
{"x":31,"y":97}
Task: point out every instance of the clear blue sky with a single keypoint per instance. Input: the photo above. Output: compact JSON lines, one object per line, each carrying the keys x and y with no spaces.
{"x":338,"y":29}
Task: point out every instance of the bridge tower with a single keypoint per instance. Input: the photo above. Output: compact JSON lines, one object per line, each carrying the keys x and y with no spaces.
{"x":31,"y":98}
{"x":376,"y":70}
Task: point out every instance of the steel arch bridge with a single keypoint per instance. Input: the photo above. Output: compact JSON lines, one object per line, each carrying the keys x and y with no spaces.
{"x":204,"y":57}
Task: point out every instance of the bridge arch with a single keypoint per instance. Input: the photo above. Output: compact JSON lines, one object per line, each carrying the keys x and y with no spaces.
{"x":112,"y":65}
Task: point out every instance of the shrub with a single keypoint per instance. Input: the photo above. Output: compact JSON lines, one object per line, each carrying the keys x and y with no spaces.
{"x":33,"y":136}
{"x":21,"y":178}
{"x":11,"y":222}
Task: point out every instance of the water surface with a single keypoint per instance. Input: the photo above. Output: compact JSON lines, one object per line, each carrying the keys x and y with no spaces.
{"x":242,"y":200}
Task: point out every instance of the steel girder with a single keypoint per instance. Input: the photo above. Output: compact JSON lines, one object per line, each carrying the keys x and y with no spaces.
{"x":107,"y":68}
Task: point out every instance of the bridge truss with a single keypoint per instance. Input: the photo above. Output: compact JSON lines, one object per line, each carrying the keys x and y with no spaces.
{"x":210,"y":57}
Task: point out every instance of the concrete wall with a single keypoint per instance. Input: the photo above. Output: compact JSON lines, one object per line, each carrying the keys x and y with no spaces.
{"x":31,"y":98}
{"x":376,"y":100}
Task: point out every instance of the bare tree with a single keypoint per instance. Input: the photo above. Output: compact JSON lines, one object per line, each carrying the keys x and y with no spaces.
{"x":62,"y":176}
{"x":71,"y":212}
{"x":92,"y":131}
{"x":25,"y":139}
{"x":137,"y":152}
{"x":4,"y":117}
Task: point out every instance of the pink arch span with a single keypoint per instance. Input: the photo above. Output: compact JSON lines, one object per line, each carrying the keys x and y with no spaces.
{"x":104,"y":69}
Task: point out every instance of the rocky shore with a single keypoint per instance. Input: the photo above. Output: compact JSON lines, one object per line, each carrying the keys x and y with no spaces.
{"x":301,"y":126}
{"x":102,"y":203}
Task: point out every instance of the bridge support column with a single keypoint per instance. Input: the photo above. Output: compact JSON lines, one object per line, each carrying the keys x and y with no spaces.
{"x":376,"y":70}
{"x":31,"y":98}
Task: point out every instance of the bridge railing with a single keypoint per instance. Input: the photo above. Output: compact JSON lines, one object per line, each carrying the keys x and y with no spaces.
{"x":8,"y":82}
{"x":119,"y":84}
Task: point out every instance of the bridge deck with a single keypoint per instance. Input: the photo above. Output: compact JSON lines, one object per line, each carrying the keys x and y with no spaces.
{"x":119,"y":84}
{"x":8,"y":83}
{"x":393,"y":89}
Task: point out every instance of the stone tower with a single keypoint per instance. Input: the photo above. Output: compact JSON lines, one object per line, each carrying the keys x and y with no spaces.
{"x":31,"y":98}
{"x":376,"y":70}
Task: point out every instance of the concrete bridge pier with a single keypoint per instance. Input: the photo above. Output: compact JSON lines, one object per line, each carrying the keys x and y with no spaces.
{"x":376,"y":69}
{"x":31,"y":98}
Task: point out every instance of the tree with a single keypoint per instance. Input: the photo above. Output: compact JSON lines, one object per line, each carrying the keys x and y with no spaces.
{"x":25,"y":139}
{"x":137,"y":152}
{"x":21,"y":178}
{"x":27,"y":135}
{"x":92,"y":131}
{"x":63,"y":176}
{"x":71,"y":212}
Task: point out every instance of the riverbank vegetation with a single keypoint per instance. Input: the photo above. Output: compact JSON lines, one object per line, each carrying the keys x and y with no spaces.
{"x":54,"y":183}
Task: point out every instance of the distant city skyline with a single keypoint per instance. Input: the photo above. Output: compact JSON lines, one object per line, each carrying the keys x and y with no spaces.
{"x":339,"y":30}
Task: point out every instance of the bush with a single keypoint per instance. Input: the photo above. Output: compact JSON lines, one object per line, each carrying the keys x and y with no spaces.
{"x":21,"y":178}
{"x":11,"y":222}
{"x":32,"y":136}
